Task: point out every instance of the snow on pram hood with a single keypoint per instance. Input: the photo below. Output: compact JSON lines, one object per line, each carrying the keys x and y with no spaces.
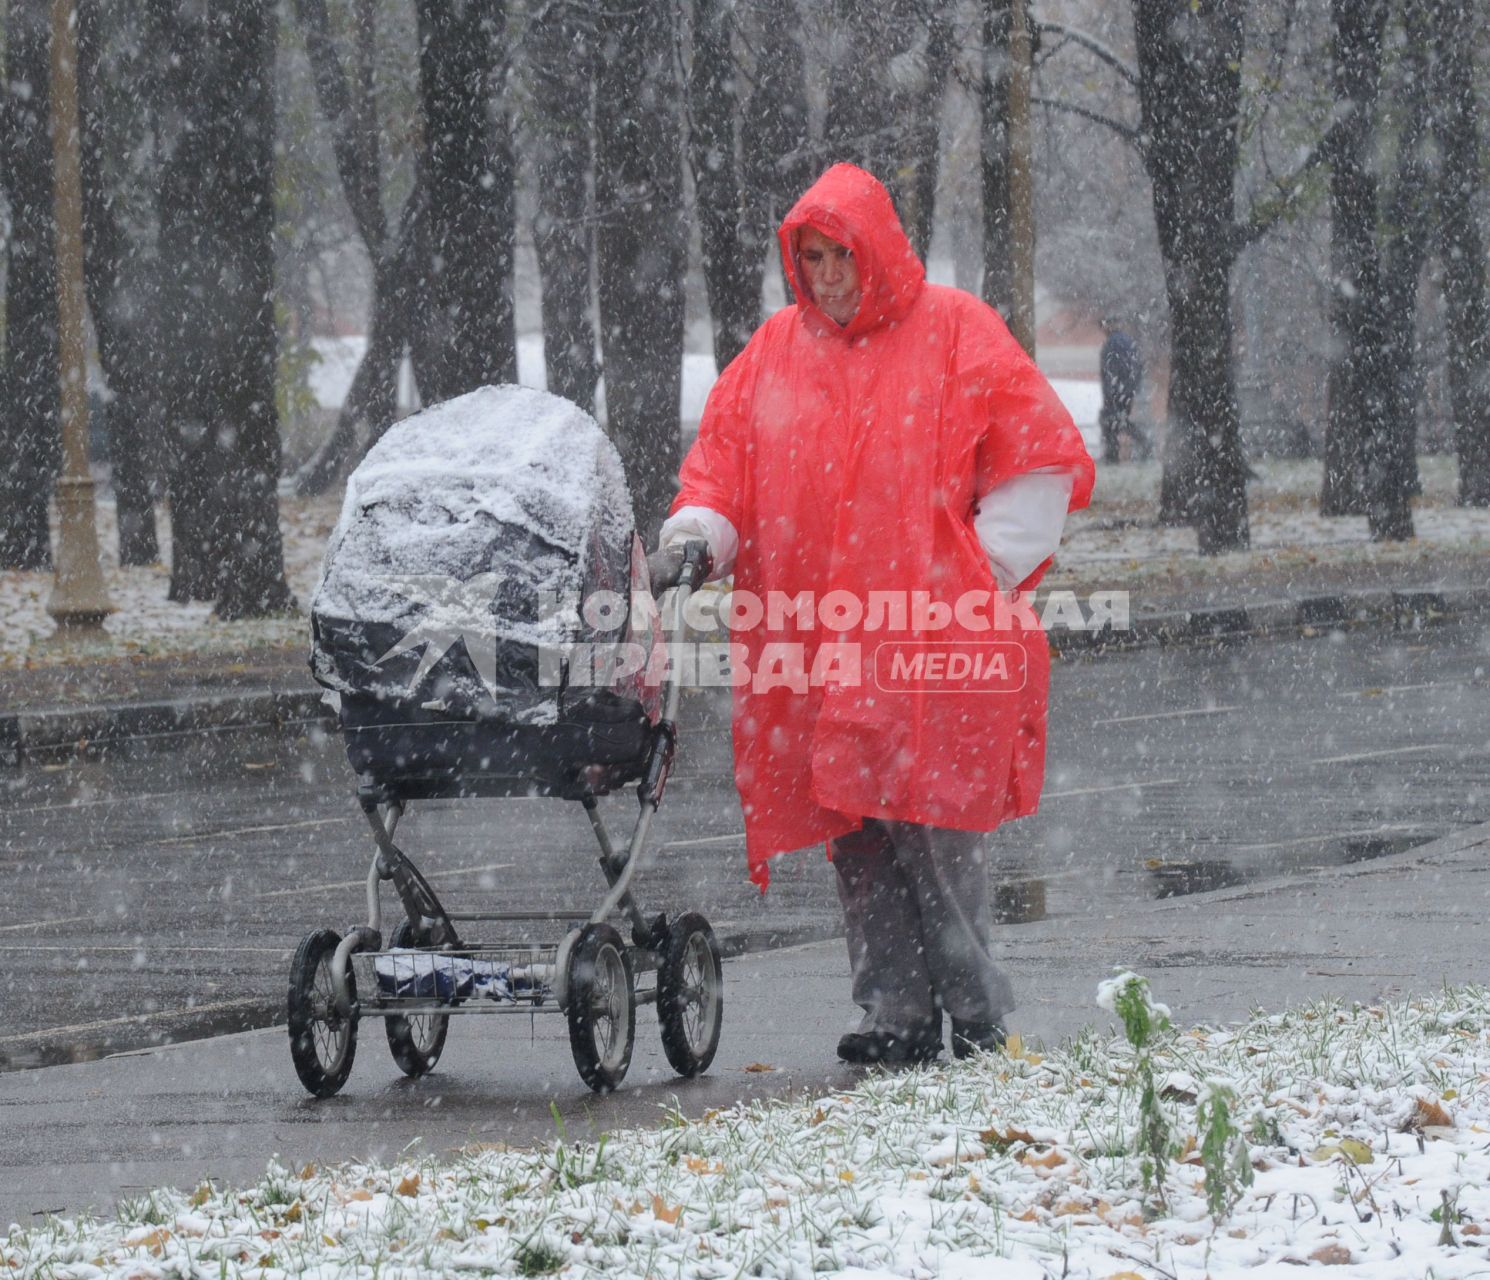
{"x":424,"y":502}
{"x":468,"y":538}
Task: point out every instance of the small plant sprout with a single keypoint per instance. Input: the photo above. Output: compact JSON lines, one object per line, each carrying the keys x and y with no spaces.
{"x":1127,"y":996}
{"x":1223,"y":1150}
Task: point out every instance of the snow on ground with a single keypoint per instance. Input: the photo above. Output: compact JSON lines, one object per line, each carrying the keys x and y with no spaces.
{"x":1359,"y":1139}
{"x":1116,"y":543}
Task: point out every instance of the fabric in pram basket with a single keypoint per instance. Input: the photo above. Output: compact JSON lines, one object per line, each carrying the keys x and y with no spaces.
{"x":454,"y":586}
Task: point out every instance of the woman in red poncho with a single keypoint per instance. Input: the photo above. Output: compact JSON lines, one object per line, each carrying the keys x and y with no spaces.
{"x":881,"y":468}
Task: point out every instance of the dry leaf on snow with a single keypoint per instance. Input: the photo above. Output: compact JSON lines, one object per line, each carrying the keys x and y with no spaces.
{"x":663,"y":1213}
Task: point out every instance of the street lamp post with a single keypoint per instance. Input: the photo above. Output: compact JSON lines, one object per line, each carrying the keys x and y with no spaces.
{"x":80,"y":601}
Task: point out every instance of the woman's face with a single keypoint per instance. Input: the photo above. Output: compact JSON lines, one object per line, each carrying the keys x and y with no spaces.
{"x":832,"y":275}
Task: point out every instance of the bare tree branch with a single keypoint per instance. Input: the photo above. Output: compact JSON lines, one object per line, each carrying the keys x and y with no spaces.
{"x":1097,"y":48}
{"x":1288,"y":193}
{"x":1126,"y":132}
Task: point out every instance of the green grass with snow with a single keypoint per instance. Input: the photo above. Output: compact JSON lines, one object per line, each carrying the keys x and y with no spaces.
{"x":1366,"y":1132}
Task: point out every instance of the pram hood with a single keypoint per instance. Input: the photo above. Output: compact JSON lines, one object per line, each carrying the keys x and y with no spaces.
{"x":470,"y":536}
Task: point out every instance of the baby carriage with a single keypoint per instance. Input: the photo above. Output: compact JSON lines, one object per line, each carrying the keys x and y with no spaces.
{"x":486,"y":619}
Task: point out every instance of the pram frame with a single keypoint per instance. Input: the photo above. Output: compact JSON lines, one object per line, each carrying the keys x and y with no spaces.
{"x":426,"y":919}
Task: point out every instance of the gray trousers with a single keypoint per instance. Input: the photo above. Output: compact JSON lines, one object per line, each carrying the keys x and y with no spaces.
{"x":919,"y":923}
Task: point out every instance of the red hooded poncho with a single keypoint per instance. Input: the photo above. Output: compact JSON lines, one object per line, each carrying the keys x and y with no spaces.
{"x":849,"y":458}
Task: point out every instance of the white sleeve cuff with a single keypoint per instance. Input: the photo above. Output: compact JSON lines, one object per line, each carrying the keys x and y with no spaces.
{"x":1020,"y":522}
{"x":713,"y":528}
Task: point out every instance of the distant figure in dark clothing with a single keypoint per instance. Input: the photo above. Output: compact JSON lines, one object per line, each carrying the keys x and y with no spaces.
{"x":1122,"y":375}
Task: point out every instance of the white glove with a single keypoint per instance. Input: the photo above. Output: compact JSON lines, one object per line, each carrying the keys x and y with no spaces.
{"x":713,"y":528}
{"x":1020,"y":522}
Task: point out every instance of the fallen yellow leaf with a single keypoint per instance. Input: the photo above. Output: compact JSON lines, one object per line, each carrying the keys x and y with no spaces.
{"x":1428,"y":1115}
{"x":759,"y":1066}
{"x":1005,"y":1138}
{"x":154,"y":1240}
{"x":662,"y":1213}
{"x":1014,"y":1048}
{"x":409,"y":1186}
{"x":1047,"y":1161}
{"x":1353,"y":1149}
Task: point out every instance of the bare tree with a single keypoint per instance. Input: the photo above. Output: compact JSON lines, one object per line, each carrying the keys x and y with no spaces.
{"x":1356,"y":404}
{"x":641,"y":245}
{"x":732,"y":249}
{"x":888,"y":67}
{"x":998,"y":231}
{"x":560,"y":67}
{"x":776,"y":158}
{"x":218,"y":341}
{"x":1389,"y":449}
{"x":349,"y":104}
{"x":120,"y":272}
{"x":1461,"y":245}
{"x":1190,"y":60}
{"x":466,"y":336}
{"x":29,"y":457}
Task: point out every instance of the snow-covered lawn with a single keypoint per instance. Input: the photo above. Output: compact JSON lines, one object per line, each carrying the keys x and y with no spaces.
{"x":1365,"y":1132}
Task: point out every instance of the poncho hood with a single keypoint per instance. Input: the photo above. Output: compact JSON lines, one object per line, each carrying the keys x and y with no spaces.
{"x":852,"y":207}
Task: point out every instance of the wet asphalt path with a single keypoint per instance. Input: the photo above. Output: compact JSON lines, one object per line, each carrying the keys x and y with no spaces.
{"x":161,"y":894}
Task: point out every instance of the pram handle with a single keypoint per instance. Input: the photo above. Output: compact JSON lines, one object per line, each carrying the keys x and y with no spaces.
{"x":681,"y":562}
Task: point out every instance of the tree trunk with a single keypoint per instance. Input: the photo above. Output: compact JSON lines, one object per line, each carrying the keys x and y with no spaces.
{"x":733,"y":262}
{"x":1461,"y":246}
{"x":1389,"y":448}
{"x":1355,"y":374}
{"x":924,"y":105}
{"x":118,"y":290}
{"x":1189,"y":61}
{"x":468,"y":339}
{"x":371,"y":405}
{"x":776,"y":163}
{"x":1203,"y":402}
{"x":878,"y":74}
{"x":216,"y":241}
{"x":350,"y":107}
{"x":29,"y":417}
{"x":998,"y":238}
{"x":561,"y":71}
{"x":641,"y":248}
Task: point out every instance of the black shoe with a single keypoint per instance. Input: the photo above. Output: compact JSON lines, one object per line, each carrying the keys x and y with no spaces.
{"x":969,"y":1038}
{"x":886,"y":1047}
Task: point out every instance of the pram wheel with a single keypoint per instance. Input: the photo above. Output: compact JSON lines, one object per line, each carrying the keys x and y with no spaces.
{"x":416,"y":1041}
{"x":690,"y":994}
{"x":323,"y":1041}
{"x":601,"y":1006}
